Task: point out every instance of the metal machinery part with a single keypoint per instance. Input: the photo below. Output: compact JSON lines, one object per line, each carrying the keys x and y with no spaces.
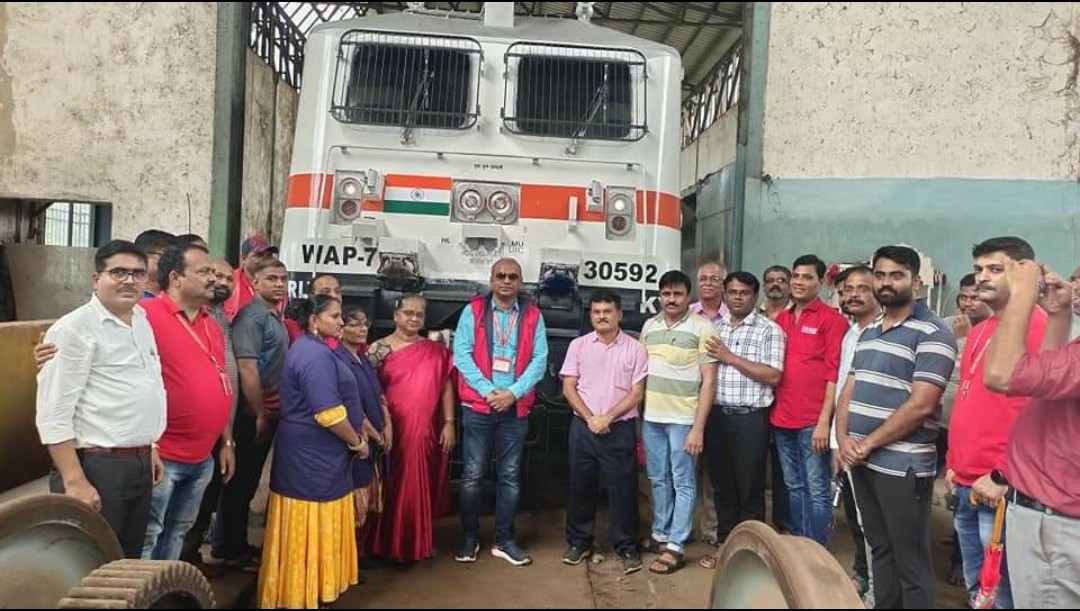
{"x":760,"y":569}
{"x":57,"y":552}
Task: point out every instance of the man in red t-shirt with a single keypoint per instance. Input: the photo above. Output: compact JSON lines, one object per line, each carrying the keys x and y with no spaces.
{"x":199,"y":396}
{"x":981,"y":419}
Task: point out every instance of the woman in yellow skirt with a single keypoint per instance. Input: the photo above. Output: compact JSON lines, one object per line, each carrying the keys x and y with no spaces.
{"x":309,"y":550}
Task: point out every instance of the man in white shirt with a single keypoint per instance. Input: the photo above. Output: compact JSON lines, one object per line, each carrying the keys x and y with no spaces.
{"x":101,"y":400}
{"x":856,"y":285}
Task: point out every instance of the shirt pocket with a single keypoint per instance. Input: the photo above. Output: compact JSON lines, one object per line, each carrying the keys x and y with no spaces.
{"x":810,"y":344}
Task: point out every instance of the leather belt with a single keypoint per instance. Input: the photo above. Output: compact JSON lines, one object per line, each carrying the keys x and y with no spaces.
{"x":738,"y":411}
{"x":1023,"y":500}
{"x":136,"y":451}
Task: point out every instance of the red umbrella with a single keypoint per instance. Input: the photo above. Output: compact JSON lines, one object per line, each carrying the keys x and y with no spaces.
{"x":990,"y":575}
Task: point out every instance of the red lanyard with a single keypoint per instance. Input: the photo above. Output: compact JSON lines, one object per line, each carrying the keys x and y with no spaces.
{"x":223,"y":374}
{"x":502,"y":336}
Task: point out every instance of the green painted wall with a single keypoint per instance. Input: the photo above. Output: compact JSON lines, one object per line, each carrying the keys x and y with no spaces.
{"x":847,"y":219}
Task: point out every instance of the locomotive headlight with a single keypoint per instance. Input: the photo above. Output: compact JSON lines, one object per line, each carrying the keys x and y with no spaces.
{"x":620,"y":204}
{"x":350,"y":187}
{"x":501,"y":204}
{"x":470,"y":204}
{"x":349,"y":209}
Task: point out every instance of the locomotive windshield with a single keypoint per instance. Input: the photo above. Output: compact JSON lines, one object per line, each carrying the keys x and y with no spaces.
{"x":407,"y":81}
{"x":574,"y":92}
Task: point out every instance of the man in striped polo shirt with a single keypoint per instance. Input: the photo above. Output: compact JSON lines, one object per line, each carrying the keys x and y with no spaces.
{"x":887,"y":427}
{"x":679,"y":393}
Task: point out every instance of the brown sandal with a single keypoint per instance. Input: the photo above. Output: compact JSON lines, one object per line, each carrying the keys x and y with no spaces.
{"x":661,"y":566}
{"x":710,"y":561}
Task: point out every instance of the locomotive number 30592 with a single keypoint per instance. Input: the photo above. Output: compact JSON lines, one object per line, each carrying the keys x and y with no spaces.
{"x":619,"y":272}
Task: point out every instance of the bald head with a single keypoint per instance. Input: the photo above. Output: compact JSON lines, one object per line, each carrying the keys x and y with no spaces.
{"x":506,"y":280}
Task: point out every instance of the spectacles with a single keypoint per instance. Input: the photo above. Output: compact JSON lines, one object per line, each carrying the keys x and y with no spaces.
{"x":713,"y":279}
{"x":505,"y":276}
{"x":120,"y":274}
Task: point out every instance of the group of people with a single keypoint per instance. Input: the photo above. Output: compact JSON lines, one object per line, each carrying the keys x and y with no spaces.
{"x":160,"y":399}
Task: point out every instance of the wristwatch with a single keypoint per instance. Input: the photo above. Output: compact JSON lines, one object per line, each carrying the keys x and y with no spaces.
{"x":998,"y":478}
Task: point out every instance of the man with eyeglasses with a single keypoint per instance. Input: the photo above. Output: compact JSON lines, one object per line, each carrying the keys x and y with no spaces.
{"x":101,"y":401}
{"x":501,"y":352}
{"x":710,"y":304}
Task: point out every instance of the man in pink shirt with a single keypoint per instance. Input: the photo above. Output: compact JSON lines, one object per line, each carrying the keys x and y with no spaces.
{"x":1041,"y":479}
{"x":604,"y":381}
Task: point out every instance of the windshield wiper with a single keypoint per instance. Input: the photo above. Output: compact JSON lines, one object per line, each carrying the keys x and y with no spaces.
{"x":596,"y":102}
{"x":422,"y":89}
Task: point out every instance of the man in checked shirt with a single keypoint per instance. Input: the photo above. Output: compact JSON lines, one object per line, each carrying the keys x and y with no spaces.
{"x":750,"y":349}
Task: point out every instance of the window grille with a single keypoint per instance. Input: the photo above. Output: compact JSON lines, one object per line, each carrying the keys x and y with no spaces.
{"x":586,"y":93}
{"x":407,"y":80}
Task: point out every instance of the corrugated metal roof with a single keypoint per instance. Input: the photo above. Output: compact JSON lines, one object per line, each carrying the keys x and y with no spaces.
{"x":702,"y":32}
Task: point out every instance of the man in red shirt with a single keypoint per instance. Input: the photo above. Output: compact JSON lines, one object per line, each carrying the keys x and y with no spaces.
{"x":802,"y":417}
{"x":253,"y":252}
{"x":1041,"y":479}
{"x":199,"y":396}
{"x":981,"y":419}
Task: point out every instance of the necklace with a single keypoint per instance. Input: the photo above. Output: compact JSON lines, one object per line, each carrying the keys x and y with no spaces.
{"x":966,"y":387}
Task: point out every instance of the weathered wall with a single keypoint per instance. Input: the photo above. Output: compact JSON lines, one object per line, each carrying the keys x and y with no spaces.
{"x":973,"y":90}
{"x":714,"y":149}
{"x":269,"y":121}
{"x":937,"y":124}
{"x":110,"y":102}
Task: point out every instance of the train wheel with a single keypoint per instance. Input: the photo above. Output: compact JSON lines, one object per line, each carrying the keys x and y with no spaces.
{"x":760,"y":569}
{"x":142,"y":584}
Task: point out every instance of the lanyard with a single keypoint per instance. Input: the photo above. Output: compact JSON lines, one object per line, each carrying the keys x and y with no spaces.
{"x":223,"y":374}
{"x":502,"y":336}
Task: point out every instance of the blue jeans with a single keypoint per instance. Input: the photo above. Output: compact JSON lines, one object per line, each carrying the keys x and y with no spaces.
{"x":974,"y":527}
{"x":672,"y":473}
{"x":505,"y":433}
{"x":174,"y":508}
{"x":808,"y":477}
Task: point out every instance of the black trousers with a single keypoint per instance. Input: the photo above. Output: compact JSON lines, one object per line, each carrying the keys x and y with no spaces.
{"x":896,"y":521}
{"x":231,"y":526}
{"x":736,"y":446}
{"x":612,"y":458}
{"x":125,"y":485}
{"x":851,"y":513}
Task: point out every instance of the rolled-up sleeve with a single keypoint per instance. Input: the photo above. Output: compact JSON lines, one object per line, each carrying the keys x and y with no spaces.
{"x":773,"y":350}
{"x":61,"y":383}
{"x":1053,"y":375}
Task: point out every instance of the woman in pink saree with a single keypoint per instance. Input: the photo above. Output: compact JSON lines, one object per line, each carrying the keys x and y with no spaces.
{"x":416,"y":377}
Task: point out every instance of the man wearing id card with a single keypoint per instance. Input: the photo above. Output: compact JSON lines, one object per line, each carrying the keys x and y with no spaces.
{"x":500,"y":350}
{"x":199,"y":395}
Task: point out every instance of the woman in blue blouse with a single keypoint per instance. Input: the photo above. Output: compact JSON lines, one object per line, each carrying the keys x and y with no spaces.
{"x":309,"y":550}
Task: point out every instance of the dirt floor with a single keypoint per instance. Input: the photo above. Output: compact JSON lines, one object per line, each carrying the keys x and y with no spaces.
{"x":547,"y":583}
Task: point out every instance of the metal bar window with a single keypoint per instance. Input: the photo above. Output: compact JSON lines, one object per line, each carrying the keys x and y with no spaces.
{"x":713,"y":97}
{"x":587,"y":93}
{"x":68,"y":224}
{"x":407,"y":80}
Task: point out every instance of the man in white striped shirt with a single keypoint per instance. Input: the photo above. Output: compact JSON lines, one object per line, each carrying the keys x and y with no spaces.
{"x":887,"y":426}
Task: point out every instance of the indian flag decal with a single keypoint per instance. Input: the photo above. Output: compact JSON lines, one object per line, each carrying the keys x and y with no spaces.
{"x":406,"y":194}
